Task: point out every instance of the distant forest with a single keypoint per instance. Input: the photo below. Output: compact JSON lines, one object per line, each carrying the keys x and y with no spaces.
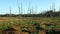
{"x":49,"y":13}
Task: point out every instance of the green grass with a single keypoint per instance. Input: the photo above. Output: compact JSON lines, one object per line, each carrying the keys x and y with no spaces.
{"x":27,"y":23}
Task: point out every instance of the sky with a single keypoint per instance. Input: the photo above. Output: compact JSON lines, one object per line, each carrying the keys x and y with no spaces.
{"x":40,"y":5}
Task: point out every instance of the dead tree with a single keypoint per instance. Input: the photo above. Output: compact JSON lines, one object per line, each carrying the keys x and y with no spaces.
{"x":10,"y":16}
{"x":22,"y":9}
{"x":36,"y":9}
{"x":50,"y":11}
{"x":29,"y":10}
{"x":32,"y":10}
{"x":19,"y":9}
{"x":53,"y":8}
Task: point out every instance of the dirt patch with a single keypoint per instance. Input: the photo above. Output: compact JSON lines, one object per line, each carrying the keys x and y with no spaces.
{"x":3,"y":20}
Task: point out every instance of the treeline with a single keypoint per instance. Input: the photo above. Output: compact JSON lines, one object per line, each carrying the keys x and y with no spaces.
{"x":49,"y":13}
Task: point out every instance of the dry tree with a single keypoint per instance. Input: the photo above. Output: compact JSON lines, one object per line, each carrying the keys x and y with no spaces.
{"x":53,"y":8}
{"x":10,"y":16}
{"x":19,"y":9}
{"x":29,"y":10}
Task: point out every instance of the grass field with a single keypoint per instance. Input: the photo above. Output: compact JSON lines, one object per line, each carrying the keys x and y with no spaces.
{"x":15,"y":22}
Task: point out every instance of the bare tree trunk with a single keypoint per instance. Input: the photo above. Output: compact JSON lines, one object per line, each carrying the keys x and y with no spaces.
{"x":28,"y":11}
{"x":18,"y":8}
{"x":10,"y":16}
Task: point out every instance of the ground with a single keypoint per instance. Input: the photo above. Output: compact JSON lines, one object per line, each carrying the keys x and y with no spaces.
{"x":16,"y":22}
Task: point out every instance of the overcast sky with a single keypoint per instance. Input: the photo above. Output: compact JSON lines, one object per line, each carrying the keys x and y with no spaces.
{"x":41,"y":5}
